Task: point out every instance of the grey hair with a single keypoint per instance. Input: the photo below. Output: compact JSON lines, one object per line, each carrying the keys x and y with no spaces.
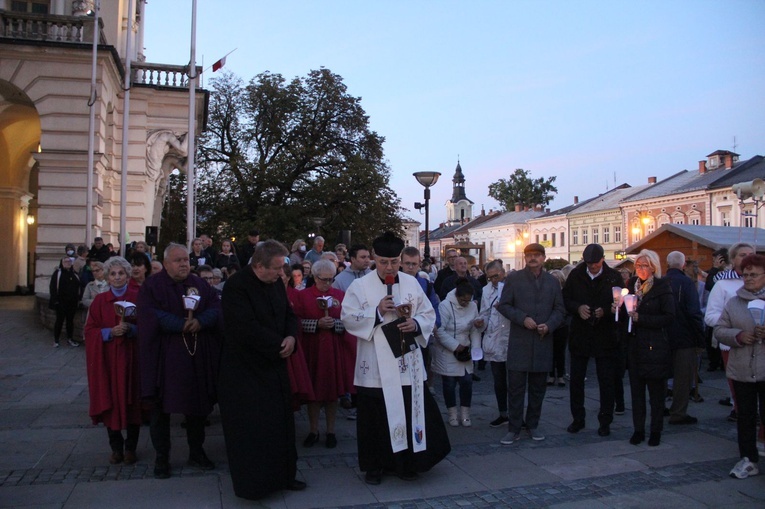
{"x":675,"y":260}
{"x":173,"y":246}
{"x":323,"y":265}
{"x":98,"y":265}
{"x":329,"y":255}
{"x":559,"y":275}
{"x":318,"y":238}
{"x":735,"y":248}
{"x":494,"y":264}
{"x":653,"y":260}
{"x":119,"y":261}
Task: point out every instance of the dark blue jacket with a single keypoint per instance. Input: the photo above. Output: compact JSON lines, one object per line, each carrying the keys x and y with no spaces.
{"x":687,"y":330}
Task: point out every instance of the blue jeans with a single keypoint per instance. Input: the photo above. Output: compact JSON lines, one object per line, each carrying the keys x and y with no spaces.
{"x":466,"y":389}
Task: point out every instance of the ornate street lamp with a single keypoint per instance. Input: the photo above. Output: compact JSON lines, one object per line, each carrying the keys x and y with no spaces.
{"x":426,"y":179}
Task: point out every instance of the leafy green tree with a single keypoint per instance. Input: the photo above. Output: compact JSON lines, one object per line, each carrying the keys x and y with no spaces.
{"x":277,"y":154}
{"x":522,"y":189}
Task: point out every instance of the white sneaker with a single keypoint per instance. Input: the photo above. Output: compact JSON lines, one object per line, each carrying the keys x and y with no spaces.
{"x":510,"y":438}
{"x":56,"y":344}
{"x":72,"y":342}
{"x":744,"y":468}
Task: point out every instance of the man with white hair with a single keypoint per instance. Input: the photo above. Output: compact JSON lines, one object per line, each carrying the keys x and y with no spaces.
{"x":316,"y":250}
{"x":686,"y":335}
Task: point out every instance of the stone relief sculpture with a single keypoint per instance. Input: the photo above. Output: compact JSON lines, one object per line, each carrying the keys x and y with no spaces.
{"x":165,"y":151}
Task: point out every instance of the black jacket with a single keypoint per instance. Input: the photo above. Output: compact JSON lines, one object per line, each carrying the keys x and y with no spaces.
{"x":687,"y":330}
{"x":649,"y":351}
{"x":593,"y":338}
{"x":64,"y":289}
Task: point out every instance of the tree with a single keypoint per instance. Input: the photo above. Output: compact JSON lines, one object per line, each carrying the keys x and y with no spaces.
{"x":278,"y":154}
{"x":520,"y":188}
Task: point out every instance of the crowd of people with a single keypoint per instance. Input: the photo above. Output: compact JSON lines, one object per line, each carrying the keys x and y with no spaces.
{"x":264,"y":330}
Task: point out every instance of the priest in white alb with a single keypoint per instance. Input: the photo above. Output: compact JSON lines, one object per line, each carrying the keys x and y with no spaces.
{"x":399,"y":426}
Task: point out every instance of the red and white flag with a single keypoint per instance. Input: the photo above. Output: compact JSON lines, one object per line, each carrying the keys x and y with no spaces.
{"x":219,"y":64}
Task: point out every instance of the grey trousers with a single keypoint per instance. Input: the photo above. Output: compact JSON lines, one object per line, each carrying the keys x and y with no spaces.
{"x":517,"y":382}
{"x":683,"y":368}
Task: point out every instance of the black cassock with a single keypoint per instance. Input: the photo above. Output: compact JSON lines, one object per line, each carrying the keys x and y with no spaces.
{"x":254,"y":386}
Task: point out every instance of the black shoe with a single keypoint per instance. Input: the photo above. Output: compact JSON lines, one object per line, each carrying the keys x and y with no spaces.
{"x":200,"y":460}
{"x":725,"y":402}
{"x":733,"y":417}
{"x":687,"y":419}
{"x":654,"y":439}
{"x":311,"y":439}
{"x":666,"y":412}
{"x":604,"y":430}
{"x":409,"y":475}
{"x":296,"y":485}
{"x":499,"y":421}
{"x":476,"y":378}
{"x":161,"y":468}
{"x":575,"y":427}
{"x":331,"y":442}
{"x":619,"y":410}
{"x":637,"y":437}
{"x":373,"y":477}
{"x":712,"y":368}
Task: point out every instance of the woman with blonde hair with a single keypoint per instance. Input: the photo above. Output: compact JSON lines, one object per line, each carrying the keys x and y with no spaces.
{"x":649,"y":354}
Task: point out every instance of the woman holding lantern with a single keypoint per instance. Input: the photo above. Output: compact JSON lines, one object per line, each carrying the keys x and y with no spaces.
{"x":650,"y":308}
{"x":321,"y":335}
{"x":111,"y":351}
{"x":742,"y":327}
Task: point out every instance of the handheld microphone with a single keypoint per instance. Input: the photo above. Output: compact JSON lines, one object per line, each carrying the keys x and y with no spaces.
{"x":390,"y":279}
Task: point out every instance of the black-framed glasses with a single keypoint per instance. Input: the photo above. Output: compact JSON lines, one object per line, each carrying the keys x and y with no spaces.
{"x":751,"y":275}
{"x":325,"y":279}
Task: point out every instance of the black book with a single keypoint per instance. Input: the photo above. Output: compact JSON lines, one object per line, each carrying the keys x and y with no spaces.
{"x":394,"y":337}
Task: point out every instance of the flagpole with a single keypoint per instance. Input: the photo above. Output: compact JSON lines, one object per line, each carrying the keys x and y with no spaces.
{"x":126,"y":130}
{"x":221,"y":58}
{"x":190,"y":177}
{"x":92,"y":128}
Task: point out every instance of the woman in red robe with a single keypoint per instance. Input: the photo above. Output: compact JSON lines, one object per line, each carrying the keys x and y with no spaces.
{"x":297,"y":369}
{"x":318,"y":308}
{"x":111,"y":351}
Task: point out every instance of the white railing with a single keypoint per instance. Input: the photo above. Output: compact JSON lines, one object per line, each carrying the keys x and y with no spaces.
{"x":48,"y":27}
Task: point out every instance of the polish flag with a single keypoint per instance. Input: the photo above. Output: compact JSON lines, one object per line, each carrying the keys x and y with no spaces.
{"x":219,"y":64}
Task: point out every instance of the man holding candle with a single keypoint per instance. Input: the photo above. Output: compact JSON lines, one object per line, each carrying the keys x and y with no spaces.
{"x":179,"y":352}
{"x":590,"y":289}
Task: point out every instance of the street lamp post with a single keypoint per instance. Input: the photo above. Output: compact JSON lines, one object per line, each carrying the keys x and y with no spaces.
{"x":426,"y":179}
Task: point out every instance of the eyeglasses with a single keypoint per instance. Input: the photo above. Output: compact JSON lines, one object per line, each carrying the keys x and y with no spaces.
{"x":325,"y":279}
{"x":493,"y":277}
{"x":751,"y":275}
{"x":209,"y":278}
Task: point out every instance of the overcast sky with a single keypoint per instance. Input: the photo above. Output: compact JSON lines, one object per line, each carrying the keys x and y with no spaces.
{"x":595,"y":93}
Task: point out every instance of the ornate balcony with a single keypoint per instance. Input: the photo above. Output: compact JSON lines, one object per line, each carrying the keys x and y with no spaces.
{"x":162,"y":75}
{"x":48,"y":28}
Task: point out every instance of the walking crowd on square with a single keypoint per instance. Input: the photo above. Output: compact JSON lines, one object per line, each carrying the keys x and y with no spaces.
{"x":262,"y":330}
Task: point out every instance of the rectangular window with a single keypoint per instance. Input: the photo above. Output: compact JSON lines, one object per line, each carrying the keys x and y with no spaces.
{"x":575,"y":237}
{"x":606,"y":235}
{"x":562,"y":239}
{"x":537,"y":239}
{"x":552,"y":238}
{"x":544,"y":237}
{"x":696,"y":221}
{"x":585,"y":236}
{"x":596,"y":236}
{"x":725,"y":219}
{"x":617,"y":233}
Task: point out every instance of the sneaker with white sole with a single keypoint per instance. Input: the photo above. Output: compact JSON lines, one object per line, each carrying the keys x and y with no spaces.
{"x":744,"y":468}
{"x":535,"y":434}
{"x":72,"y":342}
{"x":499,"y":421}
{"x":510,"y":438}
{"x":56,"y":344}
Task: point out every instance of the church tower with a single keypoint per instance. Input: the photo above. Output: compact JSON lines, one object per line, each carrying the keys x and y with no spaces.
{"x":459,"y":210}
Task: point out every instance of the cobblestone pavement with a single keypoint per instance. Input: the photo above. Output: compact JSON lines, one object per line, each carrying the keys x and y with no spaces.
{"x":47,"y":443}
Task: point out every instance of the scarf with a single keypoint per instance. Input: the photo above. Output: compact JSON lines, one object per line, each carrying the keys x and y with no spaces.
{"x":642,"y":288}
